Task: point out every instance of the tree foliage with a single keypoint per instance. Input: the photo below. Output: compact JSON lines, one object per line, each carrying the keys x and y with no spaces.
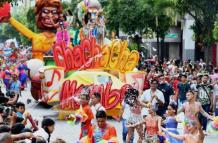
{"x":215,"y":31}
{"x":111,"y":13}
{"x":204,"y":13}
{"x":14,"y":2}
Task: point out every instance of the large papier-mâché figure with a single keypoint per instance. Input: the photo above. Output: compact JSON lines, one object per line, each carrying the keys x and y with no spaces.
{"x":47,"y":13}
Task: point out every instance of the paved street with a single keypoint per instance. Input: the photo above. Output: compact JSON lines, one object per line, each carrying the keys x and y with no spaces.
{"x":68,"y":132}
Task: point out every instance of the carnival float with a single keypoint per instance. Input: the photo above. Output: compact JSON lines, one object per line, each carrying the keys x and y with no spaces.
{"x":62,"y":65}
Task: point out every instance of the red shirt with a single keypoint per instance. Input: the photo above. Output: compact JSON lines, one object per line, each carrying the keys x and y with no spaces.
{"x":146,"y":84}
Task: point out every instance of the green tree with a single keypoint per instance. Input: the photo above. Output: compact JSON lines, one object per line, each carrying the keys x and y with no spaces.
{"x":112,"y":16}
{"x":9,"y":1}
{"x":159,"y":20}
{"x":136,"y":17}
{"x":8,"y":32}
{"x":205,"y":14}
{"x":215,"y":31}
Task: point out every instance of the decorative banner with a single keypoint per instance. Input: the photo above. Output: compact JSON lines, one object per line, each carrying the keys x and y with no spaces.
{"x":89,"y":55}
{"x":51,"y":84}
{"x":136,"y":80}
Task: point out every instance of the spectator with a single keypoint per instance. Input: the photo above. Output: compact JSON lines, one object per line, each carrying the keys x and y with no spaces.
{"x":153,"y":96}
{"x":5,"y":138}
{"x":20,"y":109}
{"x":183,"y":88}
{"x":46,"y":130}
{"x":167,"y":91}
{"x":4,"y":129}
{"x":214,"y":77}
{"x":96,"y":102}
{"x":15,"y":84}
{"x":205,"y":97}
{"x":38,"y":139}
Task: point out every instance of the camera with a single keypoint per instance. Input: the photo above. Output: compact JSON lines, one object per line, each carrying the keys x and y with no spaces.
{"x":6,"y":111}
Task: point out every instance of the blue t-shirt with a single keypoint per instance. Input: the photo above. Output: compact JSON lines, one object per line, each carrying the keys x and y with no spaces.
{"x":19,"y":114}
{"x":183,"y":89}
{"x":98,"y":134}
{"x":15,"y":86}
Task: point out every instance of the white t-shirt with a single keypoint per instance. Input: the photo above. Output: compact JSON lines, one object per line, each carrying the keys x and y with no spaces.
{"x":147,"y":96}
{"x":95,"y":109}
{"x":41,"y":133}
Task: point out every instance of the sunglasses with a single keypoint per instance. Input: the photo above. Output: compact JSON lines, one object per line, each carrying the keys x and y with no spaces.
{"x":46,"y":11}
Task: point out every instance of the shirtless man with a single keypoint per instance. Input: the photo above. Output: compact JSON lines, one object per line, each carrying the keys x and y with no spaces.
{"x":195,"y":134}
{"x":192,"y":108}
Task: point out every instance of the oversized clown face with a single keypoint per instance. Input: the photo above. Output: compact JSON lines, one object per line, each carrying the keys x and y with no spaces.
{"x":49,"y":16}
{"x":47,"y":13}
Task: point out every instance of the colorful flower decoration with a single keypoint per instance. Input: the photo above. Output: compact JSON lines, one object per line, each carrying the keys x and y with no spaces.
{"x":212,"y":127}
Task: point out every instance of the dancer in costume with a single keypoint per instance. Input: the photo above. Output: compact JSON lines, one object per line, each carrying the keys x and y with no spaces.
{"x":102,"y":132}
{"x":194,"y":135}
{"x":191,"y":109}
{"x":131,"y":98}
{"x":171,"y":122}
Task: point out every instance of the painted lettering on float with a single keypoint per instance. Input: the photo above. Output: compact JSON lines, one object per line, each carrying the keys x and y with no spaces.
{"x":110,"y":97}
{"x":89,"y":55}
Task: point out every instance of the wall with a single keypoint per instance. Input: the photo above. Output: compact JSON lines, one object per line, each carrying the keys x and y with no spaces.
{"x":173,"y":51}
{"x":188,"y":42}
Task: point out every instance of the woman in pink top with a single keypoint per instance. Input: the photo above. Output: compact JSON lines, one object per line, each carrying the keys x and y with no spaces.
{"x":153,"y":126}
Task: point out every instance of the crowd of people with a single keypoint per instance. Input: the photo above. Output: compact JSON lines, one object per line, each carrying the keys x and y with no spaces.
{"x":172,"y":87}
{"x":14,"y":128}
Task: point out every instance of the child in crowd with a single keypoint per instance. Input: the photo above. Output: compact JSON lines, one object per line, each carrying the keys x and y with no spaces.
{"x":20,"y":109}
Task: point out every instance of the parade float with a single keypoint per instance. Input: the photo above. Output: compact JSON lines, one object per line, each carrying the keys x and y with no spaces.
{"x":93,"y":60}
